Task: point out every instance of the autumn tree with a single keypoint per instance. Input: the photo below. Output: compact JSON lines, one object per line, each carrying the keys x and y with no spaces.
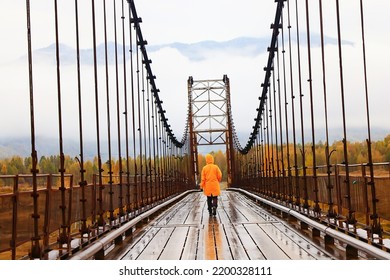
{"x":357,"y":154}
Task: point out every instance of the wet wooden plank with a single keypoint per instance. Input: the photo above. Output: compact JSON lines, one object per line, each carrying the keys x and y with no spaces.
{"x":232,"y":206}
{"x":248,"y":244}
{"x":166,"y":217}
{"x":222,"y":214}
{"x":248,"y":209}
{"x":205,"y":218}
{"x":270,"y":250}
{"x":156,"y":245}
{"x":221,"y":243}
{"x":190,"y":251}
{"x":174,"y":247}
{"x":236,"y":248}
{"x":196,"y":212}
{"x":213,"y":244}
{"x":259,"y":212}
{"x":175,"y":214}
{"x":206,"y":244}
{"x":292,"y":249}
{"x":308,"y":250}
{"x":180,"y":216}
{"x":178,"y":213}
{"x":140,"y":243}
{"x":241,"y":230}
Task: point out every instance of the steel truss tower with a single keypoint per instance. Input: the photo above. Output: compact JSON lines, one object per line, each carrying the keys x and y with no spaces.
{"x":210,"y":118}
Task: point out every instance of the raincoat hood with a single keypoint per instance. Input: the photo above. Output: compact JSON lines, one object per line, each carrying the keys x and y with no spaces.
{"x":209,"y":159}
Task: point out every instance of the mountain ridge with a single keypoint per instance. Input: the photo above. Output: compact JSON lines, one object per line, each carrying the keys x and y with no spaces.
{"x":196,"y":51}
{"x":45,"y":146}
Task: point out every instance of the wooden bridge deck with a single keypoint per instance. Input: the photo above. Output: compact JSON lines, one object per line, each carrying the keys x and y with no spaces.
{"x":241,"y":230}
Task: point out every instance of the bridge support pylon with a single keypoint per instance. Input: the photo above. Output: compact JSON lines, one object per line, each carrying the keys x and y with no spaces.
{"x":210,"y":119}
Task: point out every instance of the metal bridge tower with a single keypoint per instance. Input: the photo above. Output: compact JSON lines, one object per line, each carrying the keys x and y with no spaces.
{"x":210,"y":119}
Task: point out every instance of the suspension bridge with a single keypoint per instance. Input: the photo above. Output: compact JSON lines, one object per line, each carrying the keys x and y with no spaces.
{"x":280,"y":202}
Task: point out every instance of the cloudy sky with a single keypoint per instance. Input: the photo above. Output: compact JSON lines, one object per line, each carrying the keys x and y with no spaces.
{"x":238,"y":29}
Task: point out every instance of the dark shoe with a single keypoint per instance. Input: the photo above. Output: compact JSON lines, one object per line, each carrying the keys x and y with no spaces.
{"x":214,"y":211}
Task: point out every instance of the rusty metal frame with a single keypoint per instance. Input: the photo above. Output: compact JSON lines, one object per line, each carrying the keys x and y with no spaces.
{"x":208,"y":101}
{"x":210,"y":119}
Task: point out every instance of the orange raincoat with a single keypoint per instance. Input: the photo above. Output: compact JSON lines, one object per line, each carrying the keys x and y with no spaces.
{"x":211,"y":176}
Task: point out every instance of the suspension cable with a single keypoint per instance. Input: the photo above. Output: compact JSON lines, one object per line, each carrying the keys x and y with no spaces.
{"x":297,"y":189}
{"x":144,"y":137}
{"x":129,"y":205}
{"x":375,"y":226}
{"x":110,"y":180}
{"x":272,"y":143}
{"x":64,"y":238}
{"x":331,"y":213}
{"x":149,"y":145}
{"x":101,"y":221}
{"x":351,"y":216}
{"x":303,"y":152}
{"x":310,"y":80}
{"x":279,"y":92}
{"x":137,"y":96}
{"x":83,"y":182}
{"x":277,"y":149}
{"x":118,"y":115}
{"x":36,"y":251}
{"x":289,"y":179}
{"x":133,"y":20}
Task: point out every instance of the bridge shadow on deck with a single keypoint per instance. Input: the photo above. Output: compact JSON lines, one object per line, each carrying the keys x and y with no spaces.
{"x":241,"y":230}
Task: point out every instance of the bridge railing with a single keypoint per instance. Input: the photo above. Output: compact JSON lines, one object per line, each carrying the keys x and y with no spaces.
{"x":306,"y":93}
{"x":298,"y":192}
{"x":112,"y":85}
{"x":106,"y":207}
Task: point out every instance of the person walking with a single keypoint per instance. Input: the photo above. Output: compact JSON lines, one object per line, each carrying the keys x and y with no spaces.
{"x":210,"y":177}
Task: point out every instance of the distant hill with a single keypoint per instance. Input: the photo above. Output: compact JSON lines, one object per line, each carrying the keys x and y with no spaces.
{"x":45,"y":147}
{"x":50,"y":146}
{"x":244,"y":46}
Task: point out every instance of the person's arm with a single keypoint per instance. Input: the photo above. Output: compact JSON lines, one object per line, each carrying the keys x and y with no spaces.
{"x":219,"y":174}
{"x":202,"y":179}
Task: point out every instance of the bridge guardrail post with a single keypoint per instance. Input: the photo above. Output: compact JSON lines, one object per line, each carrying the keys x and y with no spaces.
{"x":15,"y":203}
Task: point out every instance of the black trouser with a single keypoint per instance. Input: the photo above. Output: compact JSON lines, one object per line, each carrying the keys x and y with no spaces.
{"x":212,"y":201}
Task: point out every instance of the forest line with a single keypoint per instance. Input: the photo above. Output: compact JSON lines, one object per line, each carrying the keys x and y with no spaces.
{"x":357,"y":154}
